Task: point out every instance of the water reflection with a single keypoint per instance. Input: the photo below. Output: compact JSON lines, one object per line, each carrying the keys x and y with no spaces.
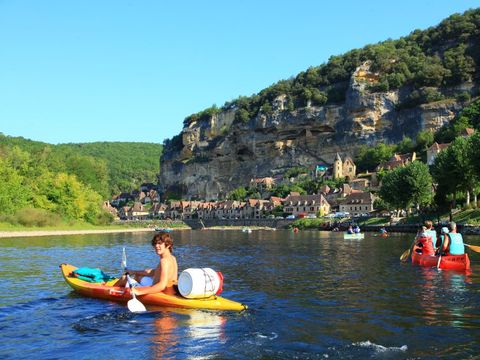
{"x":203,"y":329}
{"x":308,"y":293}
{"x":442,"y":296}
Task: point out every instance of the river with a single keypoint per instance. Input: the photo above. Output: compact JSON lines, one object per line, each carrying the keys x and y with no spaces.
{"x":311,"y":295}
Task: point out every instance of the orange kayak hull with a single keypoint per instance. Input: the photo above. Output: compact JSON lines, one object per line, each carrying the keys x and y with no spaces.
{"x":120,"y":294}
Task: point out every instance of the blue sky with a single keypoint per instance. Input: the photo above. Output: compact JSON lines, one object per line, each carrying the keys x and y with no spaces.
{"x":84,"y":71}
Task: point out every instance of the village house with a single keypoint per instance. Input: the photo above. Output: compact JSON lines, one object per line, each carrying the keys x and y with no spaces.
{"x":137,"y":212}
{"x":206,"y":210}
{"x":157,"y":211}
{"x":146,"y":187}
{"x":360,"y":184}
{"x":358,"y":203}
{"x":174,"y":210}
{"x":190,"y":209}
{"x":123,"y":198}
{"x":397,"y":160}
{"x":255,"y":208}
{"x":262,"y":184}
{"x":434,"y":150}
{"x":306,"y":204}
{"x":109,"y":208}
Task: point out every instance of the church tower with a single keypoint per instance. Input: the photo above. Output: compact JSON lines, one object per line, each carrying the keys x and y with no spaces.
{"x":337,"y":167}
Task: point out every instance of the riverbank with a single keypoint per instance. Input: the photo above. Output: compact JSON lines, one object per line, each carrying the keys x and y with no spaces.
{"x":28,"y":233}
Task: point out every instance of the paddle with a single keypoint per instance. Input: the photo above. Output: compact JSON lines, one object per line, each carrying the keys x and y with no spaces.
{"x":438,"y":262}
{"x":406,"y":253}
{"x":134,"y":305}
{"x":473,"y":247}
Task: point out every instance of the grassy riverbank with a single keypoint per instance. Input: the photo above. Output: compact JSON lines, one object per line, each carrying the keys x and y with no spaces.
{"x":10,"y":230}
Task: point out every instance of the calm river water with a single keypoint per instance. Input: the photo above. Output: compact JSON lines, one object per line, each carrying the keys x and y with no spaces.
{"x":311,"y":295}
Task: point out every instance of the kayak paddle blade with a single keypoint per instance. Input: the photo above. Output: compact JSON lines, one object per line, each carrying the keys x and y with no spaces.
{"x":136,"y":306}
{"x":405,"y":255}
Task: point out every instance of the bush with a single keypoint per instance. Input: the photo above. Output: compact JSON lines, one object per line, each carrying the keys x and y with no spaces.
{"x":35,"y":217}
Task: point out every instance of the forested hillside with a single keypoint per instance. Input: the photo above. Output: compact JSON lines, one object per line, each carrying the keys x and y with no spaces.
{"x":70,"y":180}
{"x":442,"y":56}
{"x":129,"y":164}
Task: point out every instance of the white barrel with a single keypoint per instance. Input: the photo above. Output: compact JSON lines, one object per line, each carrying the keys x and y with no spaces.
{"x":201,"y":283}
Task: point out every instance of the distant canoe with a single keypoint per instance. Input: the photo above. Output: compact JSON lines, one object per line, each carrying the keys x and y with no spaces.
{"x":163,"y":230}
{"x":353,"y":236}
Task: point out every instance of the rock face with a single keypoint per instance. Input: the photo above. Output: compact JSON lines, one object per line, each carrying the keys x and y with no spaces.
{"x":219,"y":155}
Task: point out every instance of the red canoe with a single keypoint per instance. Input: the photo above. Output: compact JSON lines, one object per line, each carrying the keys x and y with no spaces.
{"x":449,"y":262}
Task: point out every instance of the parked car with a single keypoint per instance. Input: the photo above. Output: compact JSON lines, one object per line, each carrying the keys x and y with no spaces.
{"x":311,"y":216}
{"x":290,"y":217}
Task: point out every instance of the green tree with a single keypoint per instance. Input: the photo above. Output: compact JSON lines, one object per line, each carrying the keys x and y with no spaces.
{"x":368,"y":158}
{"x":13,"y":194}
{"x":406,"y":187}
{"x":238,"y":194}
{"x":453,"y":169}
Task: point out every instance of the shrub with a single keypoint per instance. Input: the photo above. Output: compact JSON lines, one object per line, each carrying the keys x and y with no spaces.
{"x":35,"y":217}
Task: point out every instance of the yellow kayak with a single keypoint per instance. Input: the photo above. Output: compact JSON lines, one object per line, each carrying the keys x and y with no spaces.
{"x":120,"y":294}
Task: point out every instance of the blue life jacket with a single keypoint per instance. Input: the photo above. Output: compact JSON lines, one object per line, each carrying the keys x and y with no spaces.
{"x":433,"y":234}
{"x":456,"y":244}
{"x":92,"y":275}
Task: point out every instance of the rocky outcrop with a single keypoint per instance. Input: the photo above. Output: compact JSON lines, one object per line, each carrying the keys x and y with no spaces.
{"x":219,"y":155}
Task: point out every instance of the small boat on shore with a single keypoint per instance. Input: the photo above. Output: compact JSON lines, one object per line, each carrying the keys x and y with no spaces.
{"x":447,"y":262}
{"x":163,"y":230}
{"x":358,"y":236}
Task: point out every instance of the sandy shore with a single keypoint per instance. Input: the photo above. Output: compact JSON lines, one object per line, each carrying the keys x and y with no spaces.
{"x":9,"y":234}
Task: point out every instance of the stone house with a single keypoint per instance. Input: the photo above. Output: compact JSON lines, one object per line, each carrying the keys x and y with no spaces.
{"x":358,"y":203}
{"x":109,"y":208}
{"x":190,"y":209}
{"x":206,"y":210}
{"x":397,"y":160}
{"x":434,"y":150}
{"x":262,"y":184}
{"x":137,"y":212}
{"x":174,"y":210}
{"x":360,"y":184}
{"x":157,"y":211}
{"x":306,"y":204}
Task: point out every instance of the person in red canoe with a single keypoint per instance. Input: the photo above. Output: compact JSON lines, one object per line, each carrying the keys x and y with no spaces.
{"x":453,"y":242}
{"x":424,"y":242}
{"x":430,"y":231}
{"x":163,"y":277}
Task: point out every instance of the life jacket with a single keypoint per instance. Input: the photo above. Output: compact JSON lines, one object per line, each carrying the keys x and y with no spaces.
{"x":433,"y":234}
{"x":425,"y":242}
{"x":92,"y":275}
{"x":440,"y":242}
{"x":456,"y":246}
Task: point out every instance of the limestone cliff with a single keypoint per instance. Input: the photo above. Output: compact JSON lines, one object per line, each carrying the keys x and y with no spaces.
{"x":215,"y":156}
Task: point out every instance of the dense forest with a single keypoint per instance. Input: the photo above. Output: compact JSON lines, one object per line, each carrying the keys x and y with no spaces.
{"x":70,"y":180}
{"x":431,"y":63}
